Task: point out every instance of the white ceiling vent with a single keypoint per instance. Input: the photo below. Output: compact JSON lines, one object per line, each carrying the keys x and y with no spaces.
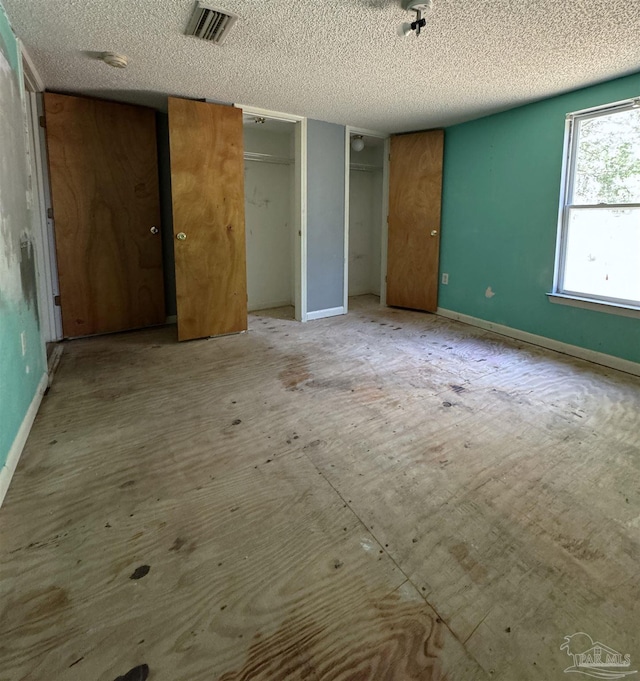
{"x":210,"y":23}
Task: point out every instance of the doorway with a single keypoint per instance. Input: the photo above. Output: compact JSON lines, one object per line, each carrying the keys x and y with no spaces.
{"x":273,"y":194}
{"x":365,"y":211}
{"x":49,"y":315}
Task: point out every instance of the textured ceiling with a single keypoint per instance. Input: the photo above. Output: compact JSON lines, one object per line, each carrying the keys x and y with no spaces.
{"x":337,"y":60}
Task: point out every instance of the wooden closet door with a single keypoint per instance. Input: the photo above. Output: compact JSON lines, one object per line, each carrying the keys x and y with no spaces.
{"x":207,"y":180}
{"x":106,"y":206}
{"x":415,"y":196}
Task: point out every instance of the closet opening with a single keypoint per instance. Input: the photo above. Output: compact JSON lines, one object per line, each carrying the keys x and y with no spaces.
{"x":366,"y":199}
{"x":272,"y":176}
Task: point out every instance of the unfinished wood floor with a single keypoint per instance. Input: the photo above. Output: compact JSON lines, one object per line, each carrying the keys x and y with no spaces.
{"x":388,"y":495}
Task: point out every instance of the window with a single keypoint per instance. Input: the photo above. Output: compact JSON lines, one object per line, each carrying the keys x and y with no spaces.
{"x":598,"y":255}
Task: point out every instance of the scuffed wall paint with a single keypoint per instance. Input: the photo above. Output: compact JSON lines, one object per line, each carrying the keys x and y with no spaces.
{"x":22,"y":357}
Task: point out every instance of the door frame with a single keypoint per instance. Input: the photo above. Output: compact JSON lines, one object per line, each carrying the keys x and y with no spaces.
{"x":300,"y":255}
{"x":44,"y":237}
{"x":348,"y":131}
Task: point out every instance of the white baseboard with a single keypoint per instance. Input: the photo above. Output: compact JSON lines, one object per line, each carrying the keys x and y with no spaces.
{"x":565,"y":348}
{"x":362,"y":292}
{"x":329,"y":312}
{"x":7,"y":471}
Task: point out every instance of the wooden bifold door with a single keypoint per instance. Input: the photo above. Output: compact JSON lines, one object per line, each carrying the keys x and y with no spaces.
{"x":106,"y":209}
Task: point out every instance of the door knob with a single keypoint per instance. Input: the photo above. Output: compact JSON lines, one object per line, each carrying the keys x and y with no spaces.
{"x":154,"y":230}
{"x":434,"y":232}
{"x":181,"y":236}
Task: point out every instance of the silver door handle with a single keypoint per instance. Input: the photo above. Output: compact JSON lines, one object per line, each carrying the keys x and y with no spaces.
{"x":154,"y":230}
{"x":434,"y":232}
{"x":181,"y":236}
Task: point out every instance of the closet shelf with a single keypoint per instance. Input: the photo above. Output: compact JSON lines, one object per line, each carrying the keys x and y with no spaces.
{"x":267,"y":158}
{"x":366,"y":167}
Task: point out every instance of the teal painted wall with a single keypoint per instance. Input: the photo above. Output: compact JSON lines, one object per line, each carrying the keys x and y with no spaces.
{"x":501,"y":194}
{"x":20,"y":373}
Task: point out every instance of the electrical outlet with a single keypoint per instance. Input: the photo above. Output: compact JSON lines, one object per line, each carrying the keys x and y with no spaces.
{"x":23,"y":341}
{"x":445,"y":278}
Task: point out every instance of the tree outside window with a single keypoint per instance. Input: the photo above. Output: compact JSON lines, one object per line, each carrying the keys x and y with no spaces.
{"x":599,"y":248}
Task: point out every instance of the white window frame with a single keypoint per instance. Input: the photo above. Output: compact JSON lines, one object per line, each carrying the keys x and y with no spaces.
{"x":559,"y":293}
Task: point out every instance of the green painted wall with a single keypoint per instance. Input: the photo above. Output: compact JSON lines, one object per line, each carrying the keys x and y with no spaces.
{"x":500,"y":211}
{"x":19,"y":373}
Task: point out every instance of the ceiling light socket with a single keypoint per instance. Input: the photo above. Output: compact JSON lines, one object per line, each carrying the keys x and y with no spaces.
{"x":417,"y":5}
{"x":118,"y":61}
{"x":420,"y":7}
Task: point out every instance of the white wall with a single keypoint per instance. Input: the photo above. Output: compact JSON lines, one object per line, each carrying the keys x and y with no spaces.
{"x":264,"y":141}
{"x":365,"y":222}
{"x":361,"y":244}
{"x":269,"y":203}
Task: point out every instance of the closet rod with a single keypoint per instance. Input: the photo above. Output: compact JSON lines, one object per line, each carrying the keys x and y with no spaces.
{"x":365,"y":167}
{"x":267,"y":158}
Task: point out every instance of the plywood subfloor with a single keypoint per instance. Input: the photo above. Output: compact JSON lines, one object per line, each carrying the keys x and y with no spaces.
{"x":388,"y":495}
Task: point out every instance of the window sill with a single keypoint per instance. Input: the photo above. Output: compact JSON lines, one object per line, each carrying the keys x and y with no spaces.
{"x":588,"y":304}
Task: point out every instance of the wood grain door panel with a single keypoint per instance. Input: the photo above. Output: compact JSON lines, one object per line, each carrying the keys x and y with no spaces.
{"x":104,"y":189}
{"x":415,"y":197}
{"x":207,"y":177}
